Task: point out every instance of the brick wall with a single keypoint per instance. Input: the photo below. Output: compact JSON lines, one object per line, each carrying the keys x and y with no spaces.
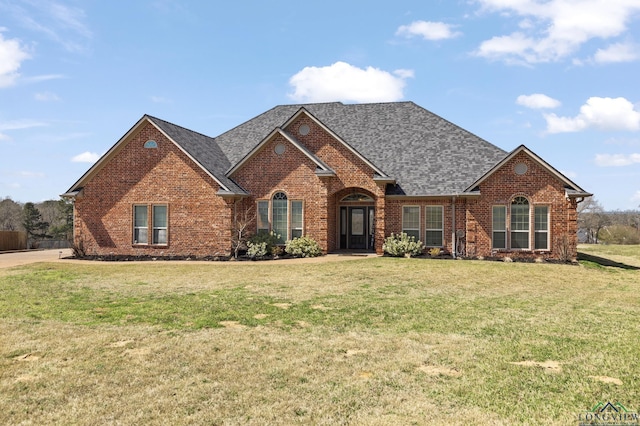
{"x":540,"y":187}
{"x":199,"y":221}
{"x":294,"y":173}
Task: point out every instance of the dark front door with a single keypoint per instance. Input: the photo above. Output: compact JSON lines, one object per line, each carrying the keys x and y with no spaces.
{"x":356,"y":227}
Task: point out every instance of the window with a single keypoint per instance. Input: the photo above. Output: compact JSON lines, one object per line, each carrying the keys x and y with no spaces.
{"x":520,"y":223}
{"x":541,"y":228}
{"x":499,"y":220}
{"x":435,"y":229}
{"x":140,"y":226}
{"x":296,"y":219}
{"x":281,"y":216}
{"x":263,"y":216}
{"x":411,"y":221}
{"x":159,"y":224}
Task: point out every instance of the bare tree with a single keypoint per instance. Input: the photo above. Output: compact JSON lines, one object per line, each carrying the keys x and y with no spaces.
{"x":592,"y":218}
{"x":10,"y":215}
{"x":242,"y":222}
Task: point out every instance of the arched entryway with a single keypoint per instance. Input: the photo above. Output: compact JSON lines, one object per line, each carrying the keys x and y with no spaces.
{"x":356,"y":221}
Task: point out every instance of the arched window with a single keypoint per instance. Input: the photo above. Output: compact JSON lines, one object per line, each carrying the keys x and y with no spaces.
{"x":282,"y":216}
{"x":279,"y":214}
{"x":357,"y":197}
{"x":520,"y":223}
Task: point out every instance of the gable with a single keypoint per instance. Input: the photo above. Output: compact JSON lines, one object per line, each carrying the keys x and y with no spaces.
{"x":521,"y":168}
{"x":423,"y":153}
{"x":196,"y":147}
{"x":321,"y":167}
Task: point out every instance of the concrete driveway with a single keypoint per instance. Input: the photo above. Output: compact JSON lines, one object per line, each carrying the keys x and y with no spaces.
{"x":9,"y":259}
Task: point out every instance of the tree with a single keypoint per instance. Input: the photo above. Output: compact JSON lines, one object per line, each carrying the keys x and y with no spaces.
{"x":59,"y":215}
{"x":592,"y":218}
{"x":241,"y":230}
{"x":32,"y":222}
{"x":10,"y":215}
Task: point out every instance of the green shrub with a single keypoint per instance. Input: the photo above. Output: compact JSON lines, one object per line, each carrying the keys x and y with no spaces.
{"x":263,"y":243}
{"x":303,"y":247}
{"x":402,"y":245}
{"x":257,"y":250}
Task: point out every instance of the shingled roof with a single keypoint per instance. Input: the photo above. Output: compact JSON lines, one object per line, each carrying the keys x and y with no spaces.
{"x":424,"y":153}
{"x":202,"y":149}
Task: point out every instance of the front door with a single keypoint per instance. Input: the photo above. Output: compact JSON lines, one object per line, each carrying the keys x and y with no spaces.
{"x":356,"y":227}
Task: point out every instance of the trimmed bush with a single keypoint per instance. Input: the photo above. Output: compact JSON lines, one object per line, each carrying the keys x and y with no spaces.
{"x":400,"y":245}
{"x":263,"y":243}
{"x":303,"y":247}
{"x":257,"y":250}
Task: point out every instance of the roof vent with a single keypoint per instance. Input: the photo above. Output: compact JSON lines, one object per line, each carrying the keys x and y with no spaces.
{"x":304,"y":130}
{"x":520,"y":169}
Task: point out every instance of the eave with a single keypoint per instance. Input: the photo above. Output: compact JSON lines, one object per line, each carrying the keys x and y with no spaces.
{"x":568,"y":183}
{"x":322,"y":168}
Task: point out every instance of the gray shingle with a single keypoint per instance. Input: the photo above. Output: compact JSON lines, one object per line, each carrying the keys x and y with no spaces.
{"x":203,"y":149}
{"x":426,"y":154}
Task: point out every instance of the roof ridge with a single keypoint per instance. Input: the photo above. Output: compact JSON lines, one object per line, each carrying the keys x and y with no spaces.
{"x":177,"y":125}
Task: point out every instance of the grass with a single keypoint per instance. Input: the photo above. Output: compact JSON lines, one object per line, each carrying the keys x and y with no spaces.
{"x":374,"y":341}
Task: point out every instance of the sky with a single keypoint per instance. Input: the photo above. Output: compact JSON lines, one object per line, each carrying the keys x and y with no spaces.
{"x":559,"y":76}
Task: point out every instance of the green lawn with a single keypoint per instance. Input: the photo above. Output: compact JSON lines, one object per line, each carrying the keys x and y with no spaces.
{"x":374,"y":341}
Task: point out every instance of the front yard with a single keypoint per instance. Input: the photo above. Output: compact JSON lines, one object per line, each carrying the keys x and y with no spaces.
{"x":381,"y":341}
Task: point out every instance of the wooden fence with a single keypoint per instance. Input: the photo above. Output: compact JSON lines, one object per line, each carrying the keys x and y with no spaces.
{"x":13,"y":240}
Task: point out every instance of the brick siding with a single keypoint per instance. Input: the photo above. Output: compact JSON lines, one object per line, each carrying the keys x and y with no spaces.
{"x":199,"y":221}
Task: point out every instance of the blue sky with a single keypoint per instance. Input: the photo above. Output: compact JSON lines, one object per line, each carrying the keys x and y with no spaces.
{"x":560,"y":76}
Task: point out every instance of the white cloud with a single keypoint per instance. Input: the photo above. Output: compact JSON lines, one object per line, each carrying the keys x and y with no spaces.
{"x":345,"y":82}
{"x":160,"y":100}
{"x":616,"y":160}
{"x":537,"y":101}
{"x":86,"y":157}
{"x":428,"y":30}
{"x":569,"y":174}
{"x":46,"y":97}
{"x":45,"y":77}
{"x":600,"y":113}
{"x":618,"y":52}
{"x":18,"y":125}
{"x":636,"y":197}
{"x":11,"y":56}
{"x":551,"y":30}
{"x":60,"y":23}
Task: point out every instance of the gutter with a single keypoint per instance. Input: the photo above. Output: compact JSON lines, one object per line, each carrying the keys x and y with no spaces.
{"x":453,"y":226}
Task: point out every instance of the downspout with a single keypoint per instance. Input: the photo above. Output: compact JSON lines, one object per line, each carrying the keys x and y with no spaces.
{"x":453,"y":226}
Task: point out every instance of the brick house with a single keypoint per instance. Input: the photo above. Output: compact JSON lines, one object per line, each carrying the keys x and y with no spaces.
{"x":345,"y":175}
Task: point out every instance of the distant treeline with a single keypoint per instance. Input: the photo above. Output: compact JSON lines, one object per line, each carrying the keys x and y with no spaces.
{"x":48,"y":220}
{"x":610,"y":227}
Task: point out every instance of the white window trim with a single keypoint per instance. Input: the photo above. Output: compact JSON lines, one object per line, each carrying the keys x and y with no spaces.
{"x":289,"y":228}
{"x":268,"y":203}
{"x":133,"y":236}
{"x":511,"y":231}
{"x":505,"y":230}
{"x":153,"y":227}
{"x":150,"y":225}
{"x":441,"y":230}
{"x":419,"y":221}
{"x":547,"y":231}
